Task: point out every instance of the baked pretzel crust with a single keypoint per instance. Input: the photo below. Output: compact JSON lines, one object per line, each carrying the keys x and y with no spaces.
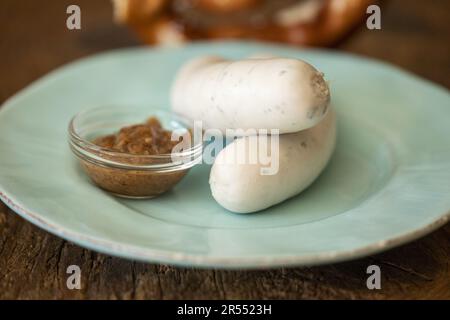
{"x":307,"y":22}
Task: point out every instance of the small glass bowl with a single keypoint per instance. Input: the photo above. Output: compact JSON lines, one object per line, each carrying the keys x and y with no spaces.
{"x":129,"y":175}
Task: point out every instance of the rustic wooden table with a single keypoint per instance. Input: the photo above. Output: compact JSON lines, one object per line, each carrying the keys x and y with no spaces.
{"x":33,"y":263}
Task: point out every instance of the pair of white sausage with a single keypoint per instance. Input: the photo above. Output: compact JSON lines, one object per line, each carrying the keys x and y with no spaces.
{"x":273,"y":93}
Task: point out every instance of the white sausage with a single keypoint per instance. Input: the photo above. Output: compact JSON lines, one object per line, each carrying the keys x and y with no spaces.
{"x":271,"y":93}
{"x":302,"y":157}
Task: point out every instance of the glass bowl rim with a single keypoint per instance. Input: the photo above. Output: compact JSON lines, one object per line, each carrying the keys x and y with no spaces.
{"x":93,"y":151}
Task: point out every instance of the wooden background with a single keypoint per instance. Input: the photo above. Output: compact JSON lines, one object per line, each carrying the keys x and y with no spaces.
{"x":34,"y":40}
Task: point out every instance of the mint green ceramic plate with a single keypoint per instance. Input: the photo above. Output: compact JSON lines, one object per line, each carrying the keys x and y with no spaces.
{"x":388,"y":182}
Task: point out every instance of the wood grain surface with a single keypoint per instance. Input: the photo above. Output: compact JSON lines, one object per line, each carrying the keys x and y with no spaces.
{"x":34,"y":40}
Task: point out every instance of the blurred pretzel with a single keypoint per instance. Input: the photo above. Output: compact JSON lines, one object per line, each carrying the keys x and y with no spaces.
{"x":334,"y":20}
{"x":302,"y":22}
{"x":226,"y":5}
{"x":136,"y":11}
